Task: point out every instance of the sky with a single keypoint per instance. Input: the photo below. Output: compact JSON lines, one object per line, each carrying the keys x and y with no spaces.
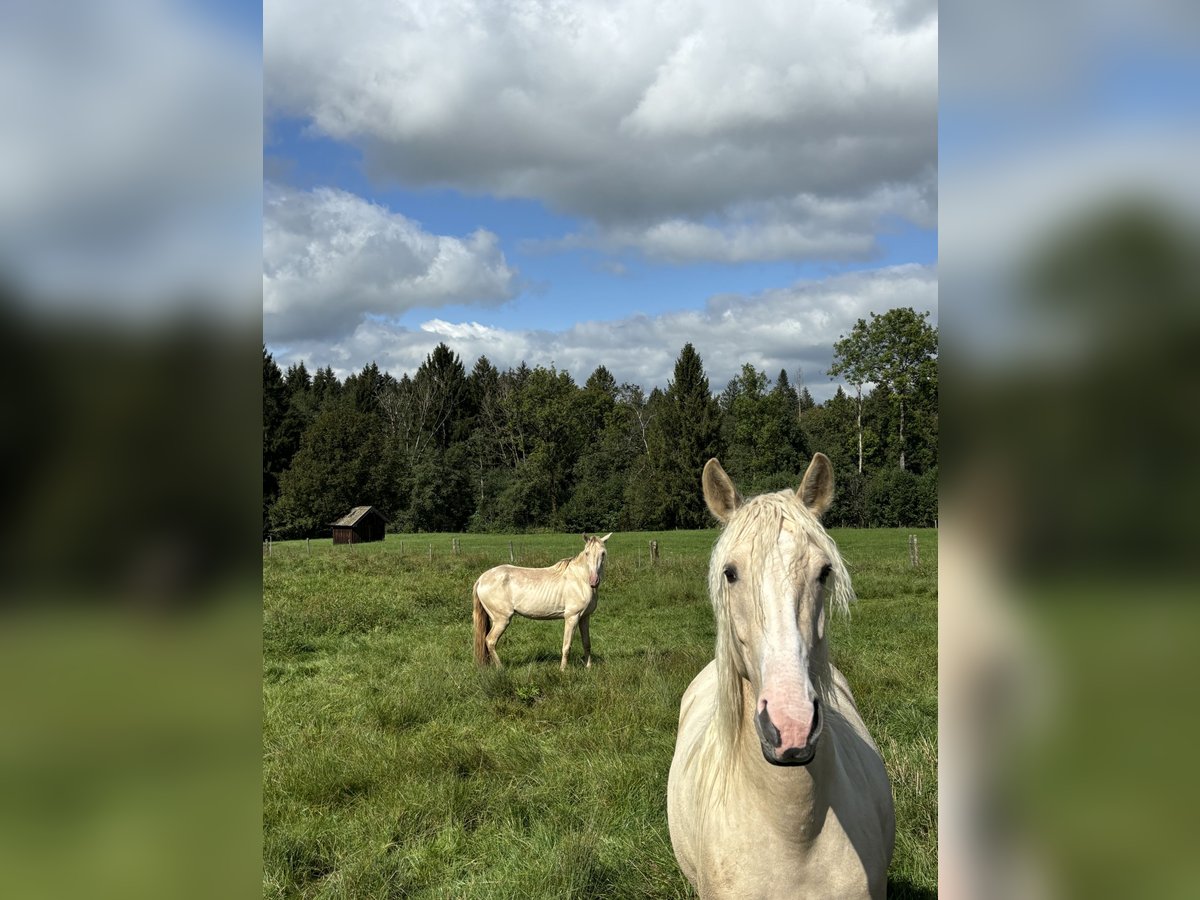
{"x":587,"y":183}
{"x":576,"y":184}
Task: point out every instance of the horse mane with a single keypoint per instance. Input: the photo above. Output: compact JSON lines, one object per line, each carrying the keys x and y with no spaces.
{"x":561,"y":566}
{"x":756,"y":525}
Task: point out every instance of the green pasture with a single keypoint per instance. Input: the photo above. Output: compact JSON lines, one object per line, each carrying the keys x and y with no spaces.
{"x":393,"y":767}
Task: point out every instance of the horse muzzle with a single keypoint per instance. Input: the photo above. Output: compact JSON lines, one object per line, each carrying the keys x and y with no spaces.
{"x":771,"y":739}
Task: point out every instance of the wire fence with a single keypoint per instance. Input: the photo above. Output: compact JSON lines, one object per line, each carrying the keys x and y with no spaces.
{"x":652,"y":553}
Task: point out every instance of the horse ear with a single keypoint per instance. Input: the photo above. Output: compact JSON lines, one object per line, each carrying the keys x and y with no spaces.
{"x":585,"y":539}
{"x":816,"y":490}
{"x":719,"y":493}
{"x":606,"y":537}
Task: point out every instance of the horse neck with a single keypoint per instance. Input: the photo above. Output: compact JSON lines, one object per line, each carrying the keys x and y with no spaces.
{"x":790,"y":796}
{"x":788,"y":800}
{"x":580,"y":560}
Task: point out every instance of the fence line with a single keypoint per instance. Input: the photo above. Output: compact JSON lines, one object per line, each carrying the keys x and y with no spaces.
{"x":653,"y":556}
{"x":518,"y":552}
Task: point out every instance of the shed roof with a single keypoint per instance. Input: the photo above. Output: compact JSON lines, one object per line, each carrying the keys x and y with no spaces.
{"x":356,"y":515}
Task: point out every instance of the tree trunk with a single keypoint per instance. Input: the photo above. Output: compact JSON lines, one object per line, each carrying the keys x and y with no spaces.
{"x":901,"y":434}
{"x":859,"y":423}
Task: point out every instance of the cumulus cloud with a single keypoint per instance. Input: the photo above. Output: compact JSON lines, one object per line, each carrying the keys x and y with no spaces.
{"x":790,"y":328}
{"x":661,"y":125}
{"x":131,"y":160}
{"x":330,"y":258}
{"x":802,"y":228}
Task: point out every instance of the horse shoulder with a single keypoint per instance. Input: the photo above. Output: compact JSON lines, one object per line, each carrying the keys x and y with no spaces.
{"x":699,"y":703}
{"x":684,"y":805}
{"x":861,"y":802}
{"x":572,"y":591}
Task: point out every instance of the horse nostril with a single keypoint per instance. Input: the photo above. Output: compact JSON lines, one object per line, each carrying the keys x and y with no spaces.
{"x":815,"y":729}
{"x":767,"y":727}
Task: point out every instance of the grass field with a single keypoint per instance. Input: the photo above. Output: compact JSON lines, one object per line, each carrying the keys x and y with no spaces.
{"x":393,"y":767}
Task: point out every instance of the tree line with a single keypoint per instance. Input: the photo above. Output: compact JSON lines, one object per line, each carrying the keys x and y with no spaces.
{"x":528,"y":448}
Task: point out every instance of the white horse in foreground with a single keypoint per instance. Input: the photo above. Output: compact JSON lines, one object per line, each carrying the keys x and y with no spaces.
{"x":776,"y":788}
{"x":566,"y":590}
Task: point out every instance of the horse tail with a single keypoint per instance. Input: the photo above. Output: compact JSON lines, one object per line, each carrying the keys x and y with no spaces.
{"x":483,"y":624}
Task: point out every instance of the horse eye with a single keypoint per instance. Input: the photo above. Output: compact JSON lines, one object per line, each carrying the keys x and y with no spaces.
{"x":731,"y":573}
{"x":825,"y":570}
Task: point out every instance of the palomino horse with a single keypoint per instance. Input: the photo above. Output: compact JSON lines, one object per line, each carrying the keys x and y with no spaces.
{"x":776,"y":789}
{"x":566,"y":590}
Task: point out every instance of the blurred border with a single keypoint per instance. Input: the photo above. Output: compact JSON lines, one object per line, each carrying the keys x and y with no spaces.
{"x":130,"y":311}
{"x":1070,"y":297}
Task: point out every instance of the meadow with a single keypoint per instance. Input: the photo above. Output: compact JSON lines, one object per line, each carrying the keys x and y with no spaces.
{"x":394,"y":767}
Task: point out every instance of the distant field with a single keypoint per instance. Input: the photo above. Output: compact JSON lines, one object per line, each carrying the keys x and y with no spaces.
{"x":393,"y":767}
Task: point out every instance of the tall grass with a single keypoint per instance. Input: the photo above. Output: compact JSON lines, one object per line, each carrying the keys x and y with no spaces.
{"x":393,"y":767}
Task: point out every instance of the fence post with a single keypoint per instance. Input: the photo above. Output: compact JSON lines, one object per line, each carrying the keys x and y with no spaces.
{"x":914,"y":555}
{"x":431,"y":552}
{"x":511,"y":558}
{"x":308,"y":546}
{"x":268,"y":546}
{"x":456,"y":547}
{"x":653,"y":553}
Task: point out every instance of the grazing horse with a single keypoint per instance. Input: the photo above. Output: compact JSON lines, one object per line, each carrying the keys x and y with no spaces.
{"x":566,"y":590}
{"x":776,"y":788}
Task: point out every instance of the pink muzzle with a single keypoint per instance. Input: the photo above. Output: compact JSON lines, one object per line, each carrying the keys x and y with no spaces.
{"x":788,"y":732}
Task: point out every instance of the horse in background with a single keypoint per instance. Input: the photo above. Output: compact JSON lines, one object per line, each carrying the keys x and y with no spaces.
{"x":776,"y":788}
{"x":566,"y":590}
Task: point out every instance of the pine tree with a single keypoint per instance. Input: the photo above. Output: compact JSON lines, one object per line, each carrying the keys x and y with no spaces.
{"x":784,"y":390}
{"x":275,"y":455}
{"x":691,"y":436}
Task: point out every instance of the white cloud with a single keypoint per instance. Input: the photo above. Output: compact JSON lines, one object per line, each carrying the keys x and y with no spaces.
{"x":792,"y":328}
{"x":672,"y":128}
{"x":802,"y":228}
{"x":680,"y":240}
{"x":330,"y":258}
{"x":130,"y":167}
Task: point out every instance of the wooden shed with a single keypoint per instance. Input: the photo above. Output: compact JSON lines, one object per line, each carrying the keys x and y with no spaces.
{"x":361,"y":524}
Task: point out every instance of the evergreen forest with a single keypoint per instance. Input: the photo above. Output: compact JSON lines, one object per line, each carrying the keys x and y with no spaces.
{"x":448,"y":449}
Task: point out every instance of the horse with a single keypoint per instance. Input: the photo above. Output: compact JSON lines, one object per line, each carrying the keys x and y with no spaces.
{"x":566,"y":590}
{"x":776,"y":788}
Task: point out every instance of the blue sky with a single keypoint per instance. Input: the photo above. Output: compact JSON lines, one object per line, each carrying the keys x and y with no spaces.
{"x":596,"y":183}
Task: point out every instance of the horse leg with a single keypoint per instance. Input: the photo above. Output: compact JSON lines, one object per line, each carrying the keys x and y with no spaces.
{"x":568,"y":632}
{"x":586,"y":637}
{"x":498,"y":626}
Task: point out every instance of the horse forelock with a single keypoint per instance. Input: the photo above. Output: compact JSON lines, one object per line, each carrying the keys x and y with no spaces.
{"x":754,"y":530}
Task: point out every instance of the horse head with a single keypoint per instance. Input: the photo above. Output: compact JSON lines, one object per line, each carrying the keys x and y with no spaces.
{"x":772,"y":572}
{"x":594,"y":554}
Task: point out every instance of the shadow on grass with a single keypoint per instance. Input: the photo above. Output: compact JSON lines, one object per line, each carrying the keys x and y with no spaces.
{"x":903,"y":889}
{"x":543,"y":657}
